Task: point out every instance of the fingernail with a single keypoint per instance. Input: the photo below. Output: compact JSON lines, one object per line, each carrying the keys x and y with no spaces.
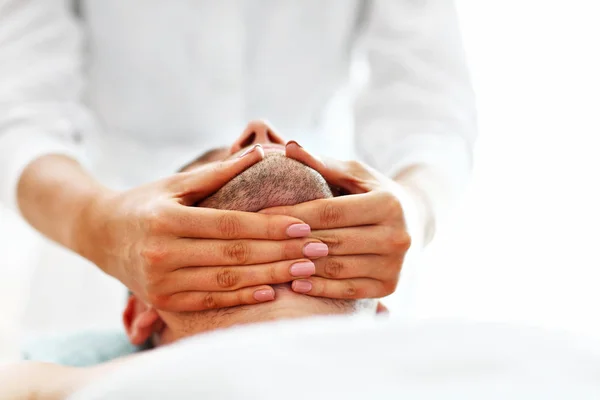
{"x":298,"y":230}
{"x":301,"y":286}
{"x":305,"y":268}
{"x":316,"y":250}
{"x":264,"y":295}
{"x":293,"y":142}
{"x":250,"y":150}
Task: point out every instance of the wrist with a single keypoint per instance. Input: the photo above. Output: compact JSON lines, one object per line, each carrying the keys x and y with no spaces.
{"x":89,"y":228}
{"x":415,"y":203}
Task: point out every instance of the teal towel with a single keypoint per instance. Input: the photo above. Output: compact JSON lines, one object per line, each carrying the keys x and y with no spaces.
{"x":79,"y":349}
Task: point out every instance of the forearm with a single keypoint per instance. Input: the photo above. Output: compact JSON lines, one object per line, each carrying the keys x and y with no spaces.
{"x":53,"y":193}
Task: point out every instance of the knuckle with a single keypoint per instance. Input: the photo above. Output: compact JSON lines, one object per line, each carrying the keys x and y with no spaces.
{"x":237,"y":252}
{"x":274,"y":274}
{"x":159,"y":301}
{"x":332,"y":241}
{"x":333,"y":268}
{"x":290,"y":249}
{"x":330,"y":215}
{"x":154,"y":282}
{"x":227,"y":277}
{"x":350,"y":291}
{"x":154,"y":253}
{"x":242,"y":298}
{"x":392,"y":202}
{"x":229,"y":226}
{"x":209,"y":301}
{"x":273,"y":229}
{"x":400,"y":241}
{"x":157,"y":220}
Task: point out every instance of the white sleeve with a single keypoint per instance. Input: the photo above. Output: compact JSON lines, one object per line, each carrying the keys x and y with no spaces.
{"x":418,"y":107}
{"x":40,"y":87}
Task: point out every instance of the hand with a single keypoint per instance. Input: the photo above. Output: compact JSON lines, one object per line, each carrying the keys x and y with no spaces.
{"x":182,"y":258}
{"x":365,"y":231}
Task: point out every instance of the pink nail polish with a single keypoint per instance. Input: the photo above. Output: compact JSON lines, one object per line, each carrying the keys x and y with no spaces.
{"x":316,"y":250}
{"x":250,"y":150}
{"x":264,"y":295}
{"x":298,"y":230}
{"x":301,"y":286}
{"x":293,"y":142}
{"x":305,"y":268}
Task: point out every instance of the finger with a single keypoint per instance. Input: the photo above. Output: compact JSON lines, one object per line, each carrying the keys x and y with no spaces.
{"x":201,"y":182}
{"x":199,"y":301}
{"x":370,"y":239}
{"x":353,"y":176}
{"x":233,"y":278}
{"x":361,"y":209}
{"x":358,"y":288}
{"x":207,"y":253}
{"x":198,"y":222}
{"x":362,"y":266}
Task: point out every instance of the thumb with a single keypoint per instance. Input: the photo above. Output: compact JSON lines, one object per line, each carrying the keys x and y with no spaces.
{"x":351,"y":176}
{"x":206,"y":180}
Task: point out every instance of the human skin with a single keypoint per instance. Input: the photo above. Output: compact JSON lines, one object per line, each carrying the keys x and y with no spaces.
{"x":134,"y":235}
{"x":142,"y":323}
{"x":46,"y":381}
{"x":275,"y":181}
{"x":143,"y":235}
{"x":365,"y":232}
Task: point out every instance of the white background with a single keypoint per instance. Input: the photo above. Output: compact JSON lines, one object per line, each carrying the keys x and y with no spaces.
{"x":522,"y":247}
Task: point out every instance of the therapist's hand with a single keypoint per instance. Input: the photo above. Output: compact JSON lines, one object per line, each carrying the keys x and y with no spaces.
{"x":365,"y":231}
{"x":182,"y":258}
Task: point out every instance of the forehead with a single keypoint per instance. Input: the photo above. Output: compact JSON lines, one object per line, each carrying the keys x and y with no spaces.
{"x":218,"y":154}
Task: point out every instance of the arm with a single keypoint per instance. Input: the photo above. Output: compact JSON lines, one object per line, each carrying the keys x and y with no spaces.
{"x":45,"y":381}
{"x":144,"y":236}
{"x":39,"y":381}
{"x":416,"y":119}
{"x":148,"y":236}
{"x":54,"y":195}
{"x":40,"y":86}
{"x":42,"y":119}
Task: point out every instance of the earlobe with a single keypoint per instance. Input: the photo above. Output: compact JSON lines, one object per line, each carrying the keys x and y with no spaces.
{"x":139,"y":321}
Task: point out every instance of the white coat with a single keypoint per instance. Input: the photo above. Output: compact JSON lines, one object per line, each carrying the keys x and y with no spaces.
{"x":136,"y":88}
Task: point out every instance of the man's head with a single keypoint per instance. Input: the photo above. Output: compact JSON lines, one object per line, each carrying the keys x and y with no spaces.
{"x":274,"y":181}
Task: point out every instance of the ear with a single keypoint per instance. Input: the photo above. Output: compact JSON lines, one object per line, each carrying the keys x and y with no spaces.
{"x":382,"y":309}
{"x":140,"y":320}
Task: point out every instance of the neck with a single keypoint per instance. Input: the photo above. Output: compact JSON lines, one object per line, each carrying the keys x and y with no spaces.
{"x":287,"y":305}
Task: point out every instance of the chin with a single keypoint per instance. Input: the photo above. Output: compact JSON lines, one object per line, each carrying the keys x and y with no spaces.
{"x":287,"y":305}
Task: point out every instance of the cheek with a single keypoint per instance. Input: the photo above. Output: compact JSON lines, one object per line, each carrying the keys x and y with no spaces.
{"x":182,"y":325}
